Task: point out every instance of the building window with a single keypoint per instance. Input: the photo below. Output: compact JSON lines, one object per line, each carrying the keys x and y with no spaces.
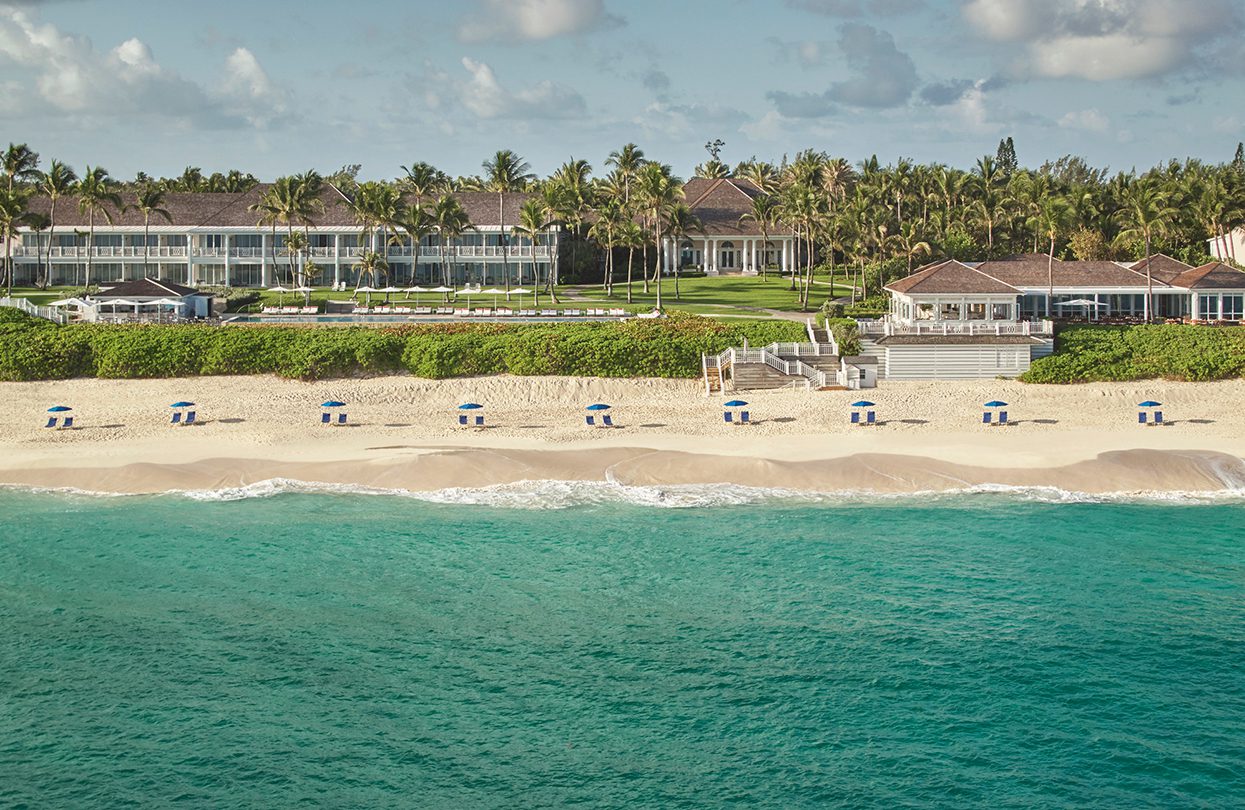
{"x":1000,"y":312}
{"x":950,"y":312}
{"x":976,"y":312}
{"x":1233,"y":307}
{"x":925,"y":312}
{"x":728,"y":255}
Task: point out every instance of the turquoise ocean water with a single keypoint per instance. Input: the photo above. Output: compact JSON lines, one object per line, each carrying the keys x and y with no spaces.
{"x":360,"y":651}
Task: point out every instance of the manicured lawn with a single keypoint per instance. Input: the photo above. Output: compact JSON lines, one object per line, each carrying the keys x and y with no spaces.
{"x":40,"y":297}
{"x":719,"y":295}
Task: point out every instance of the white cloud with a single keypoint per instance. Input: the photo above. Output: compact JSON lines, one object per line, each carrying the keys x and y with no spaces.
{"x":1092,"y":120}
{"x":64,"y":74}
{"x":769,"y":127}
{"x":1104,"y":40}
{"x":482,"y":94}
{"x":533,"y":20}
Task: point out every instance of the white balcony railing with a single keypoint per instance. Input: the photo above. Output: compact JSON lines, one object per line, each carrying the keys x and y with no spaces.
{"x":99,"y":252}
{"x":887,"y":327}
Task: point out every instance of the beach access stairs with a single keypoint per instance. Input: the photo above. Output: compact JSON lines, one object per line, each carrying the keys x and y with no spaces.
{"x":47,"y":313}
{"x":814,"y":365}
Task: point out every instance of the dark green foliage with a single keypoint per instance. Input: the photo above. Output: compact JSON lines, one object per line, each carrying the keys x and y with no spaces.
{"x":874,"y":306}
{"x":37,"y":350}
{"x":1112,"y":353}
{"x":846,"y":334}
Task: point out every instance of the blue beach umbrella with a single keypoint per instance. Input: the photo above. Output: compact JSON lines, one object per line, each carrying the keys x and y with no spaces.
{"x":736,"y":403}
{"x":996,"y":403}
{"x":332,"y":403}
{"x":182,"y":404}
{"x":59,"y":409}
{"x":598,"y":407}
{"x":1149,"y":403}
{"x":470,"y":406}
{"x":864,"y":403}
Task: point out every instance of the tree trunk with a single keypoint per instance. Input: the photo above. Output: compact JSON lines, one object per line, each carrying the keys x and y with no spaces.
{"x":146,"y":246}
{"x":1149,"y":284}
{"x":630,"y":258}
{"x":1050,"y":277}
{"x":658,"y":273}
{"x":90,"y":247}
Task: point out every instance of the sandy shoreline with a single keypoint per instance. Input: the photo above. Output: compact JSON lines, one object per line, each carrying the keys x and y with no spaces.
{"x":403,"y":436}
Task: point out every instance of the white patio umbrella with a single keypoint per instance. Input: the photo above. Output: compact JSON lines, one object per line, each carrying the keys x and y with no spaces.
{"x":417,"y":290}
{"x":164,"y":302}
{"x":442,"y":289}
{"x":367,"y":291}
{"x":1079,"y":302}
{"x":493,"y":291}
{"x":519,"y":291}
{"x":280,"y":291}
{"x":388,"y":291}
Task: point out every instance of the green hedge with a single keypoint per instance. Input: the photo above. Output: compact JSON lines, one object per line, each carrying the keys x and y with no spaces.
{"x":846,"y":334}
{"x":670,"y":347}
{"x":1169,"y":351}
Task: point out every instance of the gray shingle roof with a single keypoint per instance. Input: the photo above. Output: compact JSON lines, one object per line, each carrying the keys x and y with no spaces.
{"x":146,"y":288}
{"x":950,"y":277}
{"x":1212,"y":276}
{"x":232,"y":210}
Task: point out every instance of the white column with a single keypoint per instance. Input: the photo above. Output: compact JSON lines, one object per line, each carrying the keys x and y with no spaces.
{"x":783,"y":264}
{"x":704,"y":255}
{"x":716,"y":257}
{"x":190,"y":261}
{"x":265,"y":275}
{"x":337,"y":259}
{"x":228,"y":264}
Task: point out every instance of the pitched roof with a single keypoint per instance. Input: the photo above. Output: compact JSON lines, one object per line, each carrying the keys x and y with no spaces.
{"x":1162,"y":267}
{"x":208,"y":210}
{"x":719,"y":205}
{"x":146,"y":288}
{"x":1032,"y":272}
{"x":1212,"y":276}
{"x":951,"y":277}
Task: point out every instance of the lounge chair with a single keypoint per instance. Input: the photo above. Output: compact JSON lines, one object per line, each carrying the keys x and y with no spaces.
{"x":728,"y":417}
{"x":462,"y":419}
{"x":67,"y":424}
{"x":985,"y":418}
{"x":618,"y":312}
{"x":745,"y":418}
{"x":177,"y":418}
{"x":855,"y":417}
{"x":590,"y":421}
{"x":360,"y":311}
{"x":548,"y":313}
{"x":871,"y":418}
{"x":52,"y":420}
{"x":1141,"y":418}
{"x":606,"y":421}
{"x":505,"y":313}
{"x":479,"y":421}
{"x":341,"y":418}
{"x":326,"y":418}
{"x":423,"y":310}
{"x":309,"y":310}
{"x":1002,"y":417}
{"x":190,"y":418}
{"x":1158,"y":417}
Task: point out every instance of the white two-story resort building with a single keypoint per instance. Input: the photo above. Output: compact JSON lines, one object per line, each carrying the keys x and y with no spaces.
{"x":986,"y":319}
{"x":216,"y":240}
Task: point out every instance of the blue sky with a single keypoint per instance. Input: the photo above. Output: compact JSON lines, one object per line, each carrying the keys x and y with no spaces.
{"x":278,"y":87}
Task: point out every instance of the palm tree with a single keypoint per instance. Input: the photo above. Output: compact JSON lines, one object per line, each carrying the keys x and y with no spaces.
{"x":20,"y":164}
{"x":531,"y":225}
{"x":911,"y":241}
{"x":416,"y":223}
{"x":1147,"y":213}
{"x":12,"y":213}
{"x":577,"y":197}
{"x":505,"y":172}
{"x":609,"y":217}
{"x":764,"y":212}
{"x":556,"y":203}
{"x":631,"y":236}
{"x":371,"y":264}
{"x":149,"y":200}
{"x":424,"y":180}
{"x":269,"y":210}
{"x":56,"y":182}
{"x":627,"y":161}
{"x":95,"y":194}
{"x":680,"y":223}
{"x":38,"y":223}
{"x":1050,"y":220}
{"x":658,"y":191}
{"x":989,"y":204}
{"x":452,"y":222}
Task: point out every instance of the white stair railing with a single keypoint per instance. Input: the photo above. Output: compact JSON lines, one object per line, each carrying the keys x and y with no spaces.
{"x":47,"y":313}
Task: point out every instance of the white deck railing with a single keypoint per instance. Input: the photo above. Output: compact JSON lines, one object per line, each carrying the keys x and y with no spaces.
{"x":47,"y":313}
{"x":887,"y":327}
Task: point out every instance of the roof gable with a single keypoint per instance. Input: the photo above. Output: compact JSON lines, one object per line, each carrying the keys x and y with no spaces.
{"x":146,"y":288}
{"x":1162,"y":267}
{"x":951,"y":277}
{"x":1211,"y":276}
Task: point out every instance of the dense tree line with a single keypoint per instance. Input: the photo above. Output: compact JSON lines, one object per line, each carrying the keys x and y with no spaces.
{"x":869,"y":221}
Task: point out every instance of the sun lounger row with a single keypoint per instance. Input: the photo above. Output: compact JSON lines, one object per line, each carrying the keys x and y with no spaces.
{"x":290,"y":310}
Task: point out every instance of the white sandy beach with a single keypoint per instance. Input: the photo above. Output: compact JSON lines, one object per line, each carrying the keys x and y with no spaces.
{"x":403,"y":435}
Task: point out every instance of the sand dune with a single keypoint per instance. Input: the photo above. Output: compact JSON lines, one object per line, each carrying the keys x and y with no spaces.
{"x":404,"y":435}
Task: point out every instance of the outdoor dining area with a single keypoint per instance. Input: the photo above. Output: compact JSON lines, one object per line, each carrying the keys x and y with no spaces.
{"x":436,"y":302}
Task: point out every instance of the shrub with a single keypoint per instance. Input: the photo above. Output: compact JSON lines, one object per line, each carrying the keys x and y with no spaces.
{"x":1171,"y":351}
{"x":667,"y":347}
{"x":846,"y":334}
